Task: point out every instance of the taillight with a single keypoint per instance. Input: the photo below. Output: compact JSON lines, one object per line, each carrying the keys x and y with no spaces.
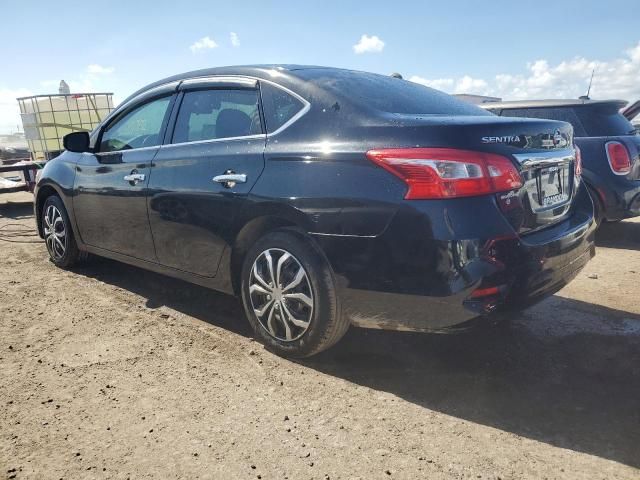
{"x":484,"y":292}
{"x":446,"y":172}
{"x":619,"y":158}
{"x":578,"y":165}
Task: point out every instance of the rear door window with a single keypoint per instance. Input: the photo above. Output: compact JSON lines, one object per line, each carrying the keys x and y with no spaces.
{"x":216,"y":114}
{"x":279,"y":106}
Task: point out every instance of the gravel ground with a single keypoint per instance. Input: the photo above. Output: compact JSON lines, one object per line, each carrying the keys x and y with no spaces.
{"x":109,"y":371}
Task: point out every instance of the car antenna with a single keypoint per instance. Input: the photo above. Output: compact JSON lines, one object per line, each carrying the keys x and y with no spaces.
{"x":586,"y":97}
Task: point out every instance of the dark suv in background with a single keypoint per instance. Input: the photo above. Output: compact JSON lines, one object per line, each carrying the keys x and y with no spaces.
{"x":609,"y":143}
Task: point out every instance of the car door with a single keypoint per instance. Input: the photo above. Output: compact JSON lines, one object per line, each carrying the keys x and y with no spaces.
{"x":111,"y":185}
{"x":200,"y":177}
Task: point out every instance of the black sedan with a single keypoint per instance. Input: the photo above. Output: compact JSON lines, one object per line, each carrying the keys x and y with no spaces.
{"x":324,"y":198}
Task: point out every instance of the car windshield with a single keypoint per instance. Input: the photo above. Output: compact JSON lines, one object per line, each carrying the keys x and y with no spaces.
{"x":389,"y":94}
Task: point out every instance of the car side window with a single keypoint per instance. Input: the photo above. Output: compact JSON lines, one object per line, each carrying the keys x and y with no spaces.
{"x":141,"y":127}
{"x":279,"y":106}
{"x":217,"y":113}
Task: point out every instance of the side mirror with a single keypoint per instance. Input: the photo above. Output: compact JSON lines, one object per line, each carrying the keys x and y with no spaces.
{"x":76,"y":142}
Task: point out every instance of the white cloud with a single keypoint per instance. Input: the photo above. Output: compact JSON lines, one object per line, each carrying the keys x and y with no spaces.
{"x":614,"y":78}
{"x":235,"y":40}
{"x":95,"y":69}
{"x":9,"y":110}
{"x":205,"y":43}
{"x":461,"y":85}
{"x":468,"y":84}
{"x":445,"y":84}
{"x":368,"y":44}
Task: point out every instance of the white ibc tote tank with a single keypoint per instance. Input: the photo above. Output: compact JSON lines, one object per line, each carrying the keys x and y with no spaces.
{"x":48,"y":118}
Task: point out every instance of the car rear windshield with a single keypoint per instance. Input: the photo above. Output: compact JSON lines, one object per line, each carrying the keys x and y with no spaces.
{"x":389,"y":94}
{"x":600,"y":120}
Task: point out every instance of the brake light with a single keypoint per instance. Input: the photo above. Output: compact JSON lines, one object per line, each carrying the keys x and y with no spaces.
{"x":432,"y":173}
{"x":485,"y":292}
{"x":578,"y":165}
{"x":618,"y":157}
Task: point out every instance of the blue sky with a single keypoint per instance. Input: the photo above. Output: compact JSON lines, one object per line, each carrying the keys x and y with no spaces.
{"x":510,"y":49}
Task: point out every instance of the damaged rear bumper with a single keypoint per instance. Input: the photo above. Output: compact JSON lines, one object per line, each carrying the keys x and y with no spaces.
{"x":402,"y":282}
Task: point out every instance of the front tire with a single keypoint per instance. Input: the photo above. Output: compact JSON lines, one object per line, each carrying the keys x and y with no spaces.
{"x":289,"y":296}
{"x":58,"y":235}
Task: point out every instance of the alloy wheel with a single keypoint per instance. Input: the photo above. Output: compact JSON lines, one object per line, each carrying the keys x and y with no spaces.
{"x":55,"y":232}
{"x":281,"y":295}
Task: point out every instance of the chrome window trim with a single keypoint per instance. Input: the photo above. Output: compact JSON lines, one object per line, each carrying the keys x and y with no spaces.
{"x":249,"y":82}
{"x":216,"y":140}
{"x":292,"y":120}
{"x":138,"y":149}
{"x":305,"y":108}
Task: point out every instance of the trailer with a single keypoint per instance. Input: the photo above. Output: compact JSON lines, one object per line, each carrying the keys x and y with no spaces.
{"x":46,"y":119}
{"x":17,"y":170}
{"x":21,"y":176}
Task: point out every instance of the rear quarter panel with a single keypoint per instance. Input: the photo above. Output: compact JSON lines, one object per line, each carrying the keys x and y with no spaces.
{"x":331,"y":184}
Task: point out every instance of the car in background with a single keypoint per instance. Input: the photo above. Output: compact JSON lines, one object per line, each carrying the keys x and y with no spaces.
{"x":324,"y":198}
{"x":609,"y":143}
{"x":632,"y":113}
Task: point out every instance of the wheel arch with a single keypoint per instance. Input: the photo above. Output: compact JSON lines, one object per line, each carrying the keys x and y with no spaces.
{"x":264,"y":219}
{"x":44,"y":192}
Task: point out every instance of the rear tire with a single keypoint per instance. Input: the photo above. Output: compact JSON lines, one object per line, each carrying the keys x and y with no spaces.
{"x":58,"y":234}
{"x":289,"y":296}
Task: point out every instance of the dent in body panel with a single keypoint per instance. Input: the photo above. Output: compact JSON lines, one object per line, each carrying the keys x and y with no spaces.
{"x":333,"y":185}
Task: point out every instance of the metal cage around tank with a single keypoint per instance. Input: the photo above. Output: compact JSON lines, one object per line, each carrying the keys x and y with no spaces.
{"x":46,"y":119}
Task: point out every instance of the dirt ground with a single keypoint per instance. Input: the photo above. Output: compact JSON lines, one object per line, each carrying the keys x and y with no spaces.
{"x":109,"y":371}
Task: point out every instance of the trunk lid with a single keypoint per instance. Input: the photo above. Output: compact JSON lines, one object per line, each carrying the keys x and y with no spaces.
{"x":542,"y":150}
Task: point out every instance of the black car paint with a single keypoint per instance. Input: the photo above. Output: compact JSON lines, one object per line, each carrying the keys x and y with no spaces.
{"x":618,"y":194}
{"x":398,"y":263}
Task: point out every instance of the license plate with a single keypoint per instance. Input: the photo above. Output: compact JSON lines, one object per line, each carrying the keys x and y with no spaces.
{"x":552,"y":185}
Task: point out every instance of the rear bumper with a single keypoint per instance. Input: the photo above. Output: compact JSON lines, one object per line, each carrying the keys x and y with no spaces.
{"x":548,"y":267}
{"x":407,"y":280}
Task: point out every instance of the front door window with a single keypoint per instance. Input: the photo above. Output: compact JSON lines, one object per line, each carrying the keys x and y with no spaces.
{"x":138,"y":128}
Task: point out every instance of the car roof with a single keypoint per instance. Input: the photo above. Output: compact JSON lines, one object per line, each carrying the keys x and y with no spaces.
{"x":551,"y":103}
{"x":262,"y":71}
